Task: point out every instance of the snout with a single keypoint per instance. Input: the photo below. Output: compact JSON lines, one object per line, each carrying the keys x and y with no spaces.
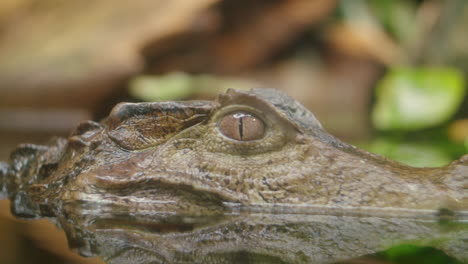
{"x":4,"y":168}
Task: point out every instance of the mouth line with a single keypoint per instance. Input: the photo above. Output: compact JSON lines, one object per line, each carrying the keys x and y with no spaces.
{"x":113,"y":198}
{"x":165,"y":182}
{"x":362,"y":211}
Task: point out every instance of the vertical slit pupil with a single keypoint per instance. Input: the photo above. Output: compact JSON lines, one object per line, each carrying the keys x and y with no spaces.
{"x":241,"y":128}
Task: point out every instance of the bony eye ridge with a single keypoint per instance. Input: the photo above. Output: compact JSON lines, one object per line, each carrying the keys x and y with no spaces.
{"x":241,"y":126}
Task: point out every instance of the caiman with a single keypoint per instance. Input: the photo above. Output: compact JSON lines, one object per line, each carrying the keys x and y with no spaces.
{"x":257,"y":148}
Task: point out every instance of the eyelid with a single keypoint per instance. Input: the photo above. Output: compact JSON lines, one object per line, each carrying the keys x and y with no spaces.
{"x":242,"y":108}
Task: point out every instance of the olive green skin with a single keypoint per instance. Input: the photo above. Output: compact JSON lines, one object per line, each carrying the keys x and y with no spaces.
{"x":171,"y":156}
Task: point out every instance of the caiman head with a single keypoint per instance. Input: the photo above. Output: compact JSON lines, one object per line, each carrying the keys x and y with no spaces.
{"x":251,"y":148}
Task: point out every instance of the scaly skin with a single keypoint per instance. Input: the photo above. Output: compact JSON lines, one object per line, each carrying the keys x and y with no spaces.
{"x":172,"y":157}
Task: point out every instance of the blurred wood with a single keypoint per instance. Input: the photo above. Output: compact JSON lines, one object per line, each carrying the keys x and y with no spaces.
{"x":45,"y":237}
{"x":366,"y":41}
{"x":9,"y":140}
{"x":447,"y":43}
{"x":72,"y":53}
{"x":8,"y":242}
{"x":267,"y":32}
{"x":458,"y":131}
{"x":250,"y":34}
{"x":338,"y":92}
{"x":59,"y":120}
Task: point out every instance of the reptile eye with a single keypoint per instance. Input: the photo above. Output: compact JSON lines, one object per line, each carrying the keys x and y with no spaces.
{"x":242,"y":126}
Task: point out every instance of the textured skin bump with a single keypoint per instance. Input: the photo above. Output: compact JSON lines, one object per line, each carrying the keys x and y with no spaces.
{"x":172,"y":156}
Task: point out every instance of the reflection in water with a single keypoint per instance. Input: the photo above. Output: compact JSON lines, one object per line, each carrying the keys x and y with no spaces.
{"x":255,"y":237}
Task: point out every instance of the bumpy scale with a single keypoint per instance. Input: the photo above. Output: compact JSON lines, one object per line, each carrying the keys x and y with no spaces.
{"x":259,"y":148}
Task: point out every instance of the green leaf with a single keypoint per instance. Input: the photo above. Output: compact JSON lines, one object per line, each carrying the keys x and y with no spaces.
{"x":172,"y":86}
{"x":416,"y":154}
{"x":412,"y":99}
{"x":180,"y":85}
{"x":406,"y":253}
{"x":397,"y":16}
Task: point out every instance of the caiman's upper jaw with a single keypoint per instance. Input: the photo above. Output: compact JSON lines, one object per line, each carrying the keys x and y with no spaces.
{"x":3,"y":174}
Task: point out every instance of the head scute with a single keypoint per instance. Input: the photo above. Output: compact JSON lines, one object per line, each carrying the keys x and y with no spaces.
{"x":290,"y":108}
{"x":136,"y":126}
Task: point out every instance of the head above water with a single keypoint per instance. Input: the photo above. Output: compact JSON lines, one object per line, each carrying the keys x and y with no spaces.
{"x":259,"y":148}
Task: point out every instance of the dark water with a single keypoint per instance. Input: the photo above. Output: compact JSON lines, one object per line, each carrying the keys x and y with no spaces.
{"x":119,"y":236}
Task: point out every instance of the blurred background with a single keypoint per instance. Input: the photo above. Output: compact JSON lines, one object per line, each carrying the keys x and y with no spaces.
{"x":386,"y":75}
